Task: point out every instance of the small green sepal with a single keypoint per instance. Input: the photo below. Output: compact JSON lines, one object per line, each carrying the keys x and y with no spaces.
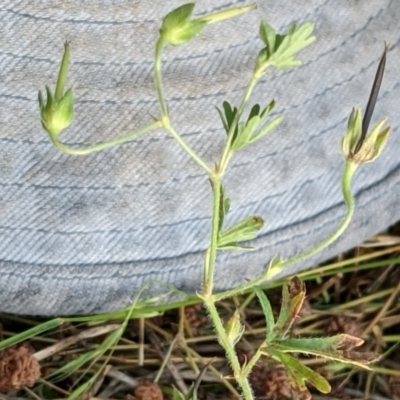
{"x":358,"y":149}
{"x":57,"y":112}
{"x":177,"y":28}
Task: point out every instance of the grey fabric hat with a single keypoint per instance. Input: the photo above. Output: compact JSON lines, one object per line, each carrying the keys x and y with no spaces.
{"x":83,"y":234}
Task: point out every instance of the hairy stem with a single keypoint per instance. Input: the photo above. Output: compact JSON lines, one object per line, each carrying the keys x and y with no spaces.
{"x":229,"y":349}
{"x":209,"y":264}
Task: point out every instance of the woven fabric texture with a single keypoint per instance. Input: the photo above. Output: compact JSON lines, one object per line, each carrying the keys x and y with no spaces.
{"x":82,"y":234}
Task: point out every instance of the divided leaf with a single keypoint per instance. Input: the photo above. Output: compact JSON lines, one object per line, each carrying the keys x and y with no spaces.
{"x":280,"y":50}
{"x":299,"y":373}
{"x":253,"y":129}
{"x":338,"y":348}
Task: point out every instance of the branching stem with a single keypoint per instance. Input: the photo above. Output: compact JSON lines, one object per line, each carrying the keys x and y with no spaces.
{"x":165,"y":119}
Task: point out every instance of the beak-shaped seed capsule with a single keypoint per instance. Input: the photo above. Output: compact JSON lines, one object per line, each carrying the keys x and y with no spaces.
{"x":358,"y":146}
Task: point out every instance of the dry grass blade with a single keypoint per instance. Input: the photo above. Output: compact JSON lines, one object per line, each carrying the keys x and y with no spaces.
{"x":63,"y":344}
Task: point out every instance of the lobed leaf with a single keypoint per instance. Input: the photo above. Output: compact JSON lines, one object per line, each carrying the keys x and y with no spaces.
{"x":299,"y":373}
{"x":280,"y":50}
{"x":338,"y":348}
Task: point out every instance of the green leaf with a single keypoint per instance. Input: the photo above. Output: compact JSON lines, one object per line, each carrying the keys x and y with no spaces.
{"x":337,"y":348}
{"x":230,"y":114}
{"x":268,"y":36}
{"x":176,"y":394}
{"x":30,"y":333}
{"x":192,"y":393}
{"x":267,"y":309}
{"x":243,"y":137}
{"x":280,"y":50}
{"x":292,"y":300}
{"x":242,"y":231}
{"x":254,"y":112}
{"x":267,"y":110}
{"x":249,"y":132}
{"x":295,"y":40}
{"x":266,"y":129}
{"x":299,"y":373}
{"x":223,"y":208}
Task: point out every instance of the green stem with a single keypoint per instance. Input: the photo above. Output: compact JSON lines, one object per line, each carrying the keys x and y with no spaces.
{"x":157,"y":76}
{"x":348,"y":173}
{"x":249,"y":366}
{"x":226,"y":153}
{"x":97,"y":147}
{"x":62,"y":74}
{"x":209,"y":264}
{"x":229,"y":349}
{"x":164,"y":110}
{"x":167,"y":125}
